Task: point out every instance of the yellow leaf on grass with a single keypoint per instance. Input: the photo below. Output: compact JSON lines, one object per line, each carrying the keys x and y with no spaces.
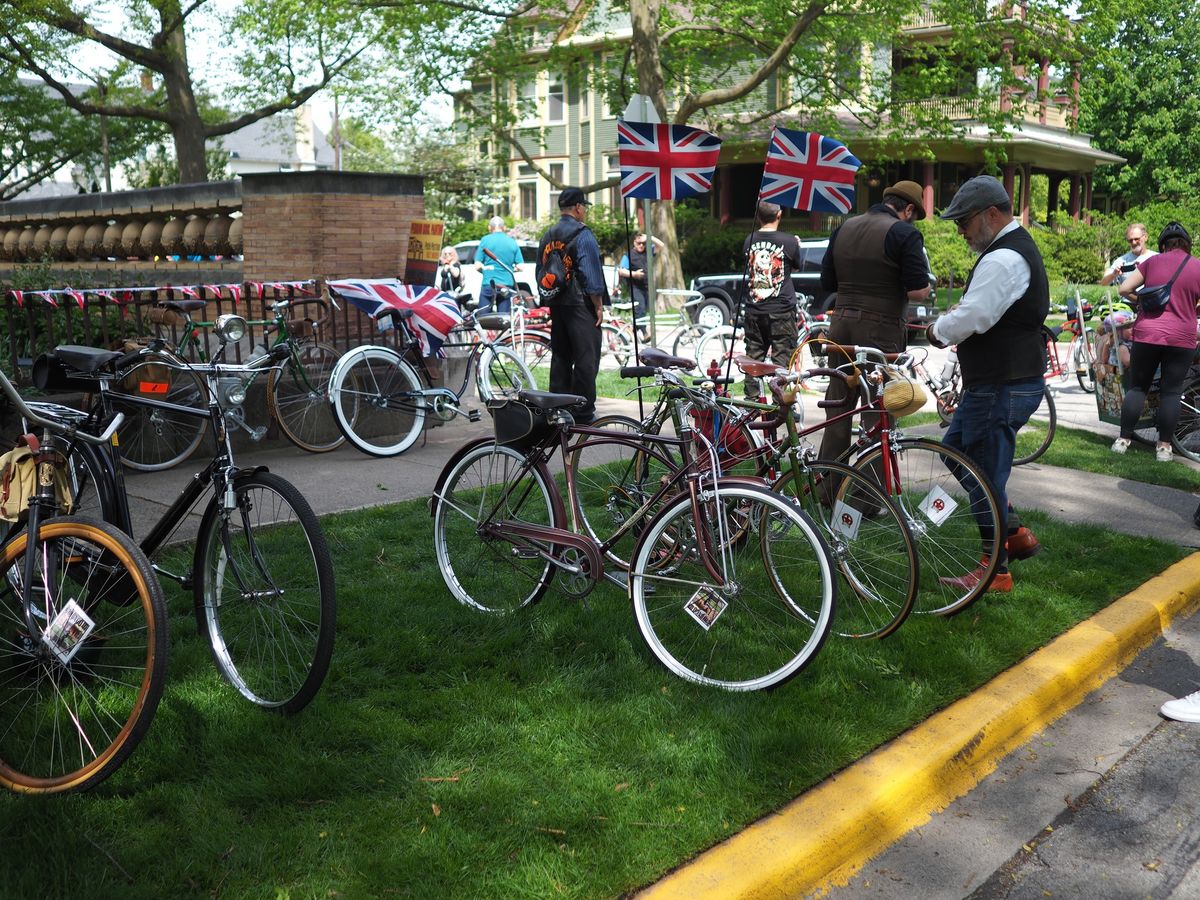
{"x":437,"y":810}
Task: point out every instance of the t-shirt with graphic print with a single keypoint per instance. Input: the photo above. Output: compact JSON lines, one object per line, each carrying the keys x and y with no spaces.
{"x":771,"y":257}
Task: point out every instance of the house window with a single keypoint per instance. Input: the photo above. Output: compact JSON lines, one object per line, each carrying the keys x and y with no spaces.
{"x":527,"y":199}
{"x":556,"y":101}
{"x":527,"y":111}
{"x":557,"y":171}
{"x":585,"y":97}
{"x":613,"y":164}
{"x":585,"y":136}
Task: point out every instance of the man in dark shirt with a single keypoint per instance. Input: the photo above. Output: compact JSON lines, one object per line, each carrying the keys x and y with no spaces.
{"x":770,"y":320}
{"x":876,"y":263}
{"x":997,"y":327}
{"x":575,"y":317}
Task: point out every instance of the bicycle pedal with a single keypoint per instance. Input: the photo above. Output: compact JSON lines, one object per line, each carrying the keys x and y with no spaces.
{"x":474,"y":415}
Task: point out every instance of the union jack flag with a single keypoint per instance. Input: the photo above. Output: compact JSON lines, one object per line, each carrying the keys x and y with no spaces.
{"x":806,"y":170}
{"x":435,"y":313}
{"x":665,"y":162}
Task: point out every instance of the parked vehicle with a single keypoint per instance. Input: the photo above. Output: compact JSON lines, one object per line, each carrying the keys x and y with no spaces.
{"x":526,"y":281}
{"x":721,"y":291}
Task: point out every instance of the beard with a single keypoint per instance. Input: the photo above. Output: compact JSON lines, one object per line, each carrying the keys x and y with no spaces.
{"x":985,"y":236}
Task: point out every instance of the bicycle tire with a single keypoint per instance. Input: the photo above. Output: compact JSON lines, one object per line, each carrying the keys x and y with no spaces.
{"x":484,"y":572}
{"x":532,"y":346}
{"x":502,"y":373}
{"x":868,"y":540}
{"x":687,"y":342}
{"x":1035,"y":436}
{"x":70,"y":724}
{"x":153,"y":439}
{"x":774,"y":610}
{"x":615,"y":342}
{"x":957,"y":535}
{"x":299,"y":401}
{"x":1186,"y":438}
{"x":716,"y":345}
{"x":264,"y":593}
{"x":377,"y":401}
{"x":815,"y":355}
{"x":1085,"y":360}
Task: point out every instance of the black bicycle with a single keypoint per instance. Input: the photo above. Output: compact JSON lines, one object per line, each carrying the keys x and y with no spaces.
{"x":261,"y":575}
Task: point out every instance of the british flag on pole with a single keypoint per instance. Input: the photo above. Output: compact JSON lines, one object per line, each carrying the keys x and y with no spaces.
{"x":806,"y":170}
{"x":665,"y":162}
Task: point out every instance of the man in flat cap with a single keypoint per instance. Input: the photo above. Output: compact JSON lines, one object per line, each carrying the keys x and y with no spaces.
{"x":577,"y":312}
{"x":997,"y":327}
{"x":876,"y":263}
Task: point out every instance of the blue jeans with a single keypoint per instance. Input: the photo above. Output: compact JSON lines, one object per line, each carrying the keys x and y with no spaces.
{"x":985,"y":428}
{"x":486,"y":294}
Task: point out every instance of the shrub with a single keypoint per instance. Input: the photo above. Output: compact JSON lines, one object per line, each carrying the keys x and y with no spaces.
{"x":949,"y":256}
{"x":713,"y":249}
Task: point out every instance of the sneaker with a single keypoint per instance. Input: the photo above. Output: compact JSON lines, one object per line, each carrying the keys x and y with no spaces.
{"x":1002,"y":582}
{"x":1163,"y":454}
{"x":1022,"y":544}
{"x":1185,"y":709}
{"x":1120,"y":445}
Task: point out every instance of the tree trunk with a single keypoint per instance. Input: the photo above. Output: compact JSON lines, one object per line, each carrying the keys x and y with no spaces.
{"x":644,"y":15}
{"x":187,"y":128}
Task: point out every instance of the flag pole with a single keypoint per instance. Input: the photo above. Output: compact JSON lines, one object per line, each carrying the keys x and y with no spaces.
{"x":651,"y":293}
{"x":633,"y":306}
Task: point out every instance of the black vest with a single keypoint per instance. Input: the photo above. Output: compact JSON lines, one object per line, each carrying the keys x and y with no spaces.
{"x":1012,"y":349}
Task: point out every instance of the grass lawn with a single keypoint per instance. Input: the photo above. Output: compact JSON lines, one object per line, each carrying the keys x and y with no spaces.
{"x":547,"y":754}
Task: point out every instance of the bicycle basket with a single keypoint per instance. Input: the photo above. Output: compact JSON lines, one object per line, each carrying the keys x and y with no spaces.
{"x":518,"y":425}
{"x":144,"y":378}
{"x":902,"y":396}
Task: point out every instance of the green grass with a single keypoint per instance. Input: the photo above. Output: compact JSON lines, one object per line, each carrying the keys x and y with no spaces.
{"x":1087,"y":451}
{"x":453,"y":754}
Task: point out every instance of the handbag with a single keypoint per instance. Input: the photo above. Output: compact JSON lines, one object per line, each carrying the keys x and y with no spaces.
{"x":1153,"y":299}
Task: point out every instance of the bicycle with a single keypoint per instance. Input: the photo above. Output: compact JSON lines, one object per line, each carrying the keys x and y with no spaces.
{"x":869,"y":542}
{"x":1081,"y":354}
{"x":261,"y":577}
{"x":156,"y":438}
{"x":83,"y":633}
{"x":377,"y":392}
{"x":721,"y":344}
{"x":731,"y":583}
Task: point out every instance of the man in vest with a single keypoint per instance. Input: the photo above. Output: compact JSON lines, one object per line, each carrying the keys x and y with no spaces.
{"x":996,"y":326}
{"x":876,"y":263}
{"x":575,"y":317}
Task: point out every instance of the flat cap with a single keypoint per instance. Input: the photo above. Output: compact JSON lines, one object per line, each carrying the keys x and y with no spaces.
{"x":978,"y":193}
{"x":910,"y":192}
{"x":571,"y":196}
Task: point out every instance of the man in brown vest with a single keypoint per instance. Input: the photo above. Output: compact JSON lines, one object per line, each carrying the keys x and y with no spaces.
{"x":876,"y":263}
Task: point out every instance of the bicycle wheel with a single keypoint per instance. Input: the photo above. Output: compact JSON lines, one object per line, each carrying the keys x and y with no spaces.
{"x":687,"y":342}
{"x":716,"y":345}
{"x":1035,"y":436}
{"x":153,"y":438}
{"x":952,"y":512}
{"x":73,"y":708}
{"x":298,"y":399}
{"x":377,"y":400}
{"x":1084,"y":357}
{"x":868,"y":540}
{"x":768,"y":613}
{"x":482,"y":568}
{"x":502,"y":373}
{"x":264,"y":593}
{"x":1186,"y":439}
{"x":611,"y":482}
{"x":616,"y":344}
{"x":532,"y":346}
{"x":815,"y":356}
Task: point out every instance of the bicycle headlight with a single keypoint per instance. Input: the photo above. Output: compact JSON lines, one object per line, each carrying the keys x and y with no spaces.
{"x":233,"y":392}
{"x":230,"y":328}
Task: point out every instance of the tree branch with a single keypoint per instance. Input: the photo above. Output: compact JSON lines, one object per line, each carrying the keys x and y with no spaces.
{"x":80,"y":27}
{"x":177,"y":22}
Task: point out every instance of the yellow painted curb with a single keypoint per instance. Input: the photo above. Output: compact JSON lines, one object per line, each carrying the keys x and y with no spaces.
{"x":822,"y":838}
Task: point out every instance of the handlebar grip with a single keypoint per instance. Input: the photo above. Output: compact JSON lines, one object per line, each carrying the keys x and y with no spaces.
{"x":127,"y":359}
{"x":706,"y":380}
{"x":638,"y":371}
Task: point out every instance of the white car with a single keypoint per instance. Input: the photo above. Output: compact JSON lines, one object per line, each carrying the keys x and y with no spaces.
{"x":526,"y":280}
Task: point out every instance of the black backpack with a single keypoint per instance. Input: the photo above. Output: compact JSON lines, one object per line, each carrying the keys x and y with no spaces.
{"x":555,"y":270}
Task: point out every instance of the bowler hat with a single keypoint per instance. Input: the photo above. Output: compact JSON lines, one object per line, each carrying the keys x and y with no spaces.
{"x":910,"y":192}
{"x":572,"y":196}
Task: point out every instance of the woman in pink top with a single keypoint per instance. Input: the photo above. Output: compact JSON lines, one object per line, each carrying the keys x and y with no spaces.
{"x":1165,"y":339}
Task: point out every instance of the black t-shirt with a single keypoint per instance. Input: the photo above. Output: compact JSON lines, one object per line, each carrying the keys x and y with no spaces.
{"x":772,"y":256}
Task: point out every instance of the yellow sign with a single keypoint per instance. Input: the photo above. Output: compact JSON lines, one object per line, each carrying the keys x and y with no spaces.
{"x":424,"y":245}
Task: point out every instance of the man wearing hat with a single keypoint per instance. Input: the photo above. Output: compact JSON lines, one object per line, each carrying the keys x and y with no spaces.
{"x":576,"y":314}
{"x":997,"y":327}
{"x":876,"y":263}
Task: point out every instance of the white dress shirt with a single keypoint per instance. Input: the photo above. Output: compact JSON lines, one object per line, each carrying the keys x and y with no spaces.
{"x":1001,"y":278}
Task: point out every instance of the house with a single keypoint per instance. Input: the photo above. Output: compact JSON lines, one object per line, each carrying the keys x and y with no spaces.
{"x":567,"y":127}
{"x":289,"y":141}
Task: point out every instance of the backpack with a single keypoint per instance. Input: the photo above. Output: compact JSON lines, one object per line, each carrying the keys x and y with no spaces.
{"x":555,"y":270}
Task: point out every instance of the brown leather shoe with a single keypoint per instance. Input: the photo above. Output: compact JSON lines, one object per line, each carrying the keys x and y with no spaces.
{"x":1022,"y":544}
{"x":1002,"y":582}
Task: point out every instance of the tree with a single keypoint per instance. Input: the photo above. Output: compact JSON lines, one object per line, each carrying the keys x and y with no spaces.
{"x":736,"y":67}
{"x":277,"y":53}
{"x":39,"y":134}
{"x":1142,"y":97}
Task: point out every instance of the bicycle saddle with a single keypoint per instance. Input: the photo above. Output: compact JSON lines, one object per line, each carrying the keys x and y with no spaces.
{"x":660,"y":359}
{"x":493,"y":321}
{"x":392,"y":313}
{"x":85,"y":359}
{"x":547,"y":400}
{"x":184,"y":306}
{"x":755,"y":368}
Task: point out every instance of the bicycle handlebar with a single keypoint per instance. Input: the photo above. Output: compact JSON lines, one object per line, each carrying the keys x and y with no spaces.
{"x":54,"y":424}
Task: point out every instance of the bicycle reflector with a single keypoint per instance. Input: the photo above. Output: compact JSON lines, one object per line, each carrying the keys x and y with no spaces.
{"x":230,"y":328}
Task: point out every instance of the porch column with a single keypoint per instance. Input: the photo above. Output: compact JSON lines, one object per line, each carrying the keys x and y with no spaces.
{"x":1009,"y":173}
{"x":1043,"y":86}
{"x":927,"y":176}
{"x":1087,"y":197}
{"x":1073,"y":202}
{"x":1052,"y":198}
{"x":1026,"y":174}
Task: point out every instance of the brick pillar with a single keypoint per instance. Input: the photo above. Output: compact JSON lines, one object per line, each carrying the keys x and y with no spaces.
{"x":328,"y":224}
{"x":1026,"y":175}
{"x":927,"y":176}
{"x":1008,"y":178}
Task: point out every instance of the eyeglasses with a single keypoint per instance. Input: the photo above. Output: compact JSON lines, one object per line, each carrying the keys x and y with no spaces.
{"x":639,"y":243}
{"x":963,"y":223}
{"x":1137,"y":240}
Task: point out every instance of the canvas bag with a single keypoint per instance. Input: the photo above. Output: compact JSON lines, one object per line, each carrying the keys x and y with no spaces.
{"x":1153,"y":299}
{"x":18,"y":484}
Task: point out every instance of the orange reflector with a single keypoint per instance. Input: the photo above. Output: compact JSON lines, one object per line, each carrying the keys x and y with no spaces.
{"x":153,"y":387}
